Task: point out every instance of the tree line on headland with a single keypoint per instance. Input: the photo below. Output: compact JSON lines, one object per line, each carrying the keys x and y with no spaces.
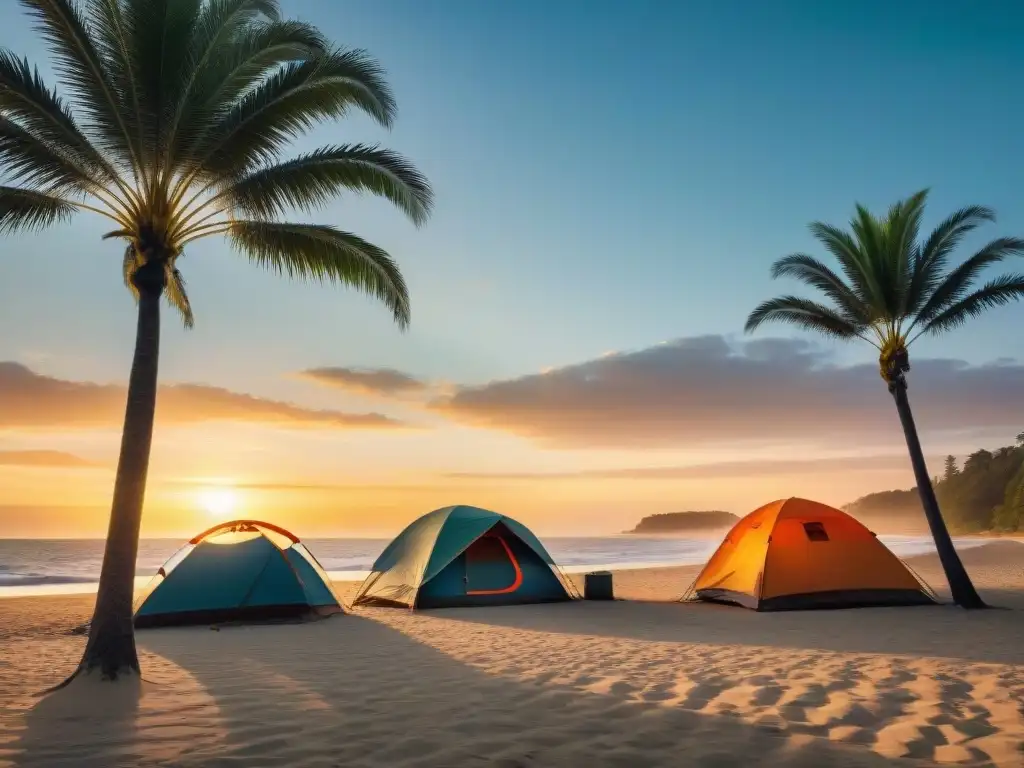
{"x":985,"y":494}
{"x":686,"y":522}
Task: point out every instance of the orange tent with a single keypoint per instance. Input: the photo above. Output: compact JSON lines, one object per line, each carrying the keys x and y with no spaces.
{"x":794,"y":554}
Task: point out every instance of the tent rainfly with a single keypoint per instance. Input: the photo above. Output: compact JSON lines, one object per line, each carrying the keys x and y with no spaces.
{"x":794,"y":554}
{"x":245,"y":570}
{"x":463,"y":556}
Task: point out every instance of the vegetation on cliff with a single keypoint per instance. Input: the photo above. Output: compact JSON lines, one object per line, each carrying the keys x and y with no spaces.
{"x":685,"y":522}
{"x":986,"y":493}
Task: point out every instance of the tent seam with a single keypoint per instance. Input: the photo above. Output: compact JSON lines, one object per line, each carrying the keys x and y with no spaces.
{"x":456,"y":555}
{"x":767,"y":549}
{"x":245,"y":600}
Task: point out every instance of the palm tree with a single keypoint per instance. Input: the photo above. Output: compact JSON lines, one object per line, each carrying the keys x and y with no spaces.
{"x":172,"y":124}
{"x":896,"y":289}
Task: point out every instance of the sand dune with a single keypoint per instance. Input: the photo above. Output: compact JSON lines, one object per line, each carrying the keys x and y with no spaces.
{"x":627,"y":684}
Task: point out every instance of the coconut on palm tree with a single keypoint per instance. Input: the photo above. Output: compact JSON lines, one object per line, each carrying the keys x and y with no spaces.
{"x":172,"y":122}
{"x":896,"y":287}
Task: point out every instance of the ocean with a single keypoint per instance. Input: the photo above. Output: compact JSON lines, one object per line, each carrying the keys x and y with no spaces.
{"x":70,"y":566}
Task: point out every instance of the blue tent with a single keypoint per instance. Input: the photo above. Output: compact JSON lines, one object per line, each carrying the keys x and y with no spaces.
{"x":238,"y":571}
{"x":463,"y":556}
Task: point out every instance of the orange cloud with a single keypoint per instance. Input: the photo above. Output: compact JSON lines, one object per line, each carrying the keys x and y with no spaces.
{"x":707,"y":391}
{"x":282,"y":485}
{"x":44,"y":459}
{"x":722,"y":469}
{"x":31,"y":400}
{"x":367,"y":381}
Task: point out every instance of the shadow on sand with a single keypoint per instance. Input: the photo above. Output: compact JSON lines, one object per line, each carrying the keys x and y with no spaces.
{"x":354,"y":692}
{"x":84,"y":716}
{"x":943,"y":631}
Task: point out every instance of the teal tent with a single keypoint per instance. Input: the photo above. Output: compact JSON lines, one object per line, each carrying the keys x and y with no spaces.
{"x":244,"y":570}
{"x":463,"y":556}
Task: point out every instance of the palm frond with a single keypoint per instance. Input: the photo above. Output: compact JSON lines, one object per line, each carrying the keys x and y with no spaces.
{"x":173,"y":115}
{"x":220,"y":13}
{"x":882,"y":261}
{"x":326,"y":254}
{"x":901,"y":231}
{"x":80,"y":65}
{"x":177,"y":297}
{"x":129,"y":263}
{"x":112,"y":38}
{"x":290,"y":102}
{"x":29,"y":210}
{"x":847,"y":252}
{"x":805,"y":314}
{"x":158,"y":35}
{"x":219,"y":27}
{"x":256,"y":51}
{"x":812,"y":272}
{"x":32,"y":163}
{"x":934,"y":253}
{"x":903,"y":224}
{"x":311,"y":180}
{"x":868,"y":232}
{"x":895,"y":283}
{"x":1002,"y":290}
{"x":958,"y":282}
{"x":26,"y":100}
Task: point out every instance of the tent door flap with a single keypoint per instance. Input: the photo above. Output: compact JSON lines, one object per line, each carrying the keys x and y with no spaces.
{"x":491,"y":567}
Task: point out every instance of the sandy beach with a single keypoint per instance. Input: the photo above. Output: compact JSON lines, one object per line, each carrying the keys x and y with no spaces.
{"x":634,"y":683}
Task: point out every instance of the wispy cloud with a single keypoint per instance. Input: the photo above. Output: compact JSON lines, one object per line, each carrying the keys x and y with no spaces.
{"x":723,"y":469}
{"x":284,"y":485}
{"x":707,"y":391}
{"x":384,"y":383}
{"x":897,"y":462}
{"x":43,"y":458}
{"x":370,"y":381}
{"x":33,"y":401}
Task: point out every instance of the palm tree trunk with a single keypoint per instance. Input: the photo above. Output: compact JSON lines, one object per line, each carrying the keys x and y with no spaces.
{"x":960,"y":585}
{"x":111,"y":646}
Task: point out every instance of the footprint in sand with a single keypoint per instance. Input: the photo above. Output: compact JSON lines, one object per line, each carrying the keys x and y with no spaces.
{"x":702,"y":694}
{"x":768,"y":695}
{"x":659,"y":692}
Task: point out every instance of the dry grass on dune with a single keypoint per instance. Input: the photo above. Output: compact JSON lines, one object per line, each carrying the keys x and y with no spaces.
{"x":599,"y":684}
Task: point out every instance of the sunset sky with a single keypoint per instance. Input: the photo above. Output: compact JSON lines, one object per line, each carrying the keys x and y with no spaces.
{"x":613,"y":180}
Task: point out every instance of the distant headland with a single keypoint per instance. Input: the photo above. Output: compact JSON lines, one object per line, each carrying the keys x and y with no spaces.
{"x":685,"y":522}
{"x":982,"y":495}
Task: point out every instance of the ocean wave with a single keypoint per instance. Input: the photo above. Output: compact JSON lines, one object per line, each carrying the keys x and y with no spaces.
{"x":73,"y":567}
{"x":913,"y":546}
{"x":38,"y":579}
{"x":346,"y":563}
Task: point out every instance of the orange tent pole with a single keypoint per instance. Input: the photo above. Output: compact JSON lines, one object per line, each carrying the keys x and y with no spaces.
{"x":518,"y":582}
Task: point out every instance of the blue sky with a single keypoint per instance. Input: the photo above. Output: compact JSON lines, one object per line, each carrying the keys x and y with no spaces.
{"x":609,"y":175}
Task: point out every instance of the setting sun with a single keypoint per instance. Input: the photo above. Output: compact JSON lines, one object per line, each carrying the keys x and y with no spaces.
{"x":219,"y":503}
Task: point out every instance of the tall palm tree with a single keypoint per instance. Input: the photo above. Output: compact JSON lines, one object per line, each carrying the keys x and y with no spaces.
{"x":172,"y":124}
{"x":898,"y":288}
